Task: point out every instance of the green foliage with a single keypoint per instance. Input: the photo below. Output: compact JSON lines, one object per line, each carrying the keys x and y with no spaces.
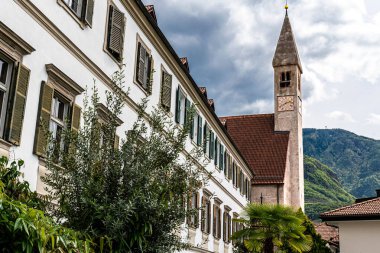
{"x":355,"y":159}
{"x":134,"y":196}
{"x":270,"y":226}
{"x":323,"y":191}
{"x":26,"y":229}
{"x":319,"y":245}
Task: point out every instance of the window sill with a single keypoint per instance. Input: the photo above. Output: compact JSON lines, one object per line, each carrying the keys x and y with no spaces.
{"x":119,"y":63}
{"x":141,"y":88}
{"x":81,"y":23}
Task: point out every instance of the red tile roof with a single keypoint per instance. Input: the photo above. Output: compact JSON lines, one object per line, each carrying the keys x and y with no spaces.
{"x":366,"y":210}
{"x":328,"y":232}
{"x":264,"y":149}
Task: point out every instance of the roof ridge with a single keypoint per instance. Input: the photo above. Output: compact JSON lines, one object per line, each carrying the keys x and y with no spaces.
{"x":350,"y":206}
{"x":246,"y":116}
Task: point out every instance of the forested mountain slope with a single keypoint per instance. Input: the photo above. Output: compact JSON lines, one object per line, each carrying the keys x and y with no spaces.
{"x":355,"y":159}
{"x":323,"y":192}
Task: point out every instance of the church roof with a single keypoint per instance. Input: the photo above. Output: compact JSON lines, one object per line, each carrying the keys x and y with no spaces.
{"x":264,"y":149}
{"x":286,"y":50}
{"x":367,"y":210}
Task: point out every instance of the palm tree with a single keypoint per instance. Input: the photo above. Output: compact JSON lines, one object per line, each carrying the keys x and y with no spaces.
{"x":269,"y":227}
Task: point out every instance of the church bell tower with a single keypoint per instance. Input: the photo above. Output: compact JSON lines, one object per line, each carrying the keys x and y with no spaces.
{"x":288,"y":109}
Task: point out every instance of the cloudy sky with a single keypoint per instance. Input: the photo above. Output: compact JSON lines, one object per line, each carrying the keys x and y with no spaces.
{"x":230,"y":45}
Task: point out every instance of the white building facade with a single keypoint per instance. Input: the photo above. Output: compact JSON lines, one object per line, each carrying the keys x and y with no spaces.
{"x":50,"y":51}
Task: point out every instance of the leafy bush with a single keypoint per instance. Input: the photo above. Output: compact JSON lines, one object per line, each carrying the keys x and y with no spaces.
{"x":135,"y":195}
{"x":26,"y":229}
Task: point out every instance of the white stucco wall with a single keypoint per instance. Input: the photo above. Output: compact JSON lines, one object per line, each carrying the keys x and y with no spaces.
{"x":90,"y":42}
{"x":359,"y":236}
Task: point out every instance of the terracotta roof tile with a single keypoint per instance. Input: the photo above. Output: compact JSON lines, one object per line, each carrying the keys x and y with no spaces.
{"x":369,"y":209}
{"x":328,"y":232}
{"x":264,"y":149}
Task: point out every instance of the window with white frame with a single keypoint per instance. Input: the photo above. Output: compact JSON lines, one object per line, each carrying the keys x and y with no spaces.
{"x":180,"y":114}
{"x":60,"y":108}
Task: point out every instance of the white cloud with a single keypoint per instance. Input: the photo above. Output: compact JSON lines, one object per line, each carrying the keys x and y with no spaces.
{"x":374,"y":119}
{"x":234,"y":42}
{"x":259,"y":106}
{"x":341,"y":116}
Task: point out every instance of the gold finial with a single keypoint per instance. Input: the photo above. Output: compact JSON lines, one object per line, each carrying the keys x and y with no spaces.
{"x":286,"y":7}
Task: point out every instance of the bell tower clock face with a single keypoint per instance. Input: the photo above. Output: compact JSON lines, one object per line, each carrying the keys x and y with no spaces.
{"x":285,"y":103}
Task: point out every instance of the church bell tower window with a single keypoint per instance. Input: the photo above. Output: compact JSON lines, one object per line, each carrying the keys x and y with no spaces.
{"x":285,"y":79}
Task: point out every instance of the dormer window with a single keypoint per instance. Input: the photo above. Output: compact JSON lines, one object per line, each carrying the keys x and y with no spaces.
{"x":285,"y":79}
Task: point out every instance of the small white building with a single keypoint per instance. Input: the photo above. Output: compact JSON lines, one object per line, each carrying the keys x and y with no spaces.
{"x":359,"y":226}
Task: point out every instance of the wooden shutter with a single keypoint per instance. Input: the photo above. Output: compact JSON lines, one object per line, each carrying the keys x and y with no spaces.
{"x":214,"y":222}
{"x":203,"y":214}
{"x":187,"y":110}
{"x":205,"y":137}
{"x":216,"y":151}
{"x":151,"y":73}
{"x":89,"y":12}
{"x":219,"y":222}
{"x":116,"y":32}
{"x":178,"y":107}
{"x":166,"y":92}
{"x":18,"y":108}
{"x":199,"y":136}
{"x":141,"y":64}
{"x":43,"y":120}
{"x":211,"y":146}
{"x":221,"y":156}
{"x":75,"y":118}
{"x":192,"y":128}
{"x":225,"y":163}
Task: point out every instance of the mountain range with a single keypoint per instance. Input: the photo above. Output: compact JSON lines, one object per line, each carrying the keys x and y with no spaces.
{"x":339,"y":167}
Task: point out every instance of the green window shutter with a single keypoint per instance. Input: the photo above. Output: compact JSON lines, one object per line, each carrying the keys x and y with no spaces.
{"x":192,"y":128}
{"x":18,"y":108}
{"x":116,"y":31}
{"x":140,"y":70}
{"x":221,"y":156}
{"x":177,"y":107}
{"x":43,"y":120}
{"x":225,"y":162}
{"x":216,"y":162}
{"x":205,"y":137}
{"x":199,"y":137}
{"x":166,"y":90}
{"x":89,"y":12}
{"x":211,"y":146}
{"x":75,"y":118}
{"x":187,"y":110}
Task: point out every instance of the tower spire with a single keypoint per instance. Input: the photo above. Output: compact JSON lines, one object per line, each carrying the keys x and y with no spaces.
{"x":286,"y":51}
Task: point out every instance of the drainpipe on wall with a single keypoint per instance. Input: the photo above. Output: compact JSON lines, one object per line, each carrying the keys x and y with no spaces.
{"x":278,"y":194}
